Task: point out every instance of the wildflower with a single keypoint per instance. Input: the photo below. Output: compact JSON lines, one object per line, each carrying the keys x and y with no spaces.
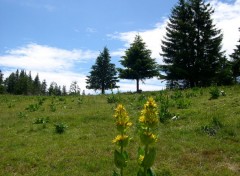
{"x":148,"y":138}
{"x":122,"y":118}
{"x":149,"y":114}
{"x":140,"y":159}
{"x":121,"y":140}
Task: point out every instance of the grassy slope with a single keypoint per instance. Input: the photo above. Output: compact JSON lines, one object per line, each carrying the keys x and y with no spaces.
{"x":86,"y":149}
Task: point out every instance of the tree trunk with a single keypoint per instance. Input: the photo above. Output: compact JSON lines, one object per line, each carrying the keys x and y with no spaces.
{"x":103,"y":88}
{"x":137,"y":85}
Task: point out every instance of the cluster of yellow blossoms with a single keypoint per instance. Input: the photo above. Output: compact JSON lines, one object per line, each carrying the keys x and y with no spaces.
{"x":149,"y":121}
{"x":149,"y":115}
{"x":122,"y":123}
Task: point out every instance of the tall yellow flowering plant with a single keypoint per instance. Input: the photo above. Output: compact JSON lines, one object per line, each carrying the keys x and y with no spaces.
{"x":148,"y":123}
{"x":122,"y":139}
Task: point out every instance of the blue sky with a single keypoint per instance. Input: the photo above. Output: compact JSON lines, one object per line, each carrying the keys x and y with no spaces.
{"x":61,"y":39}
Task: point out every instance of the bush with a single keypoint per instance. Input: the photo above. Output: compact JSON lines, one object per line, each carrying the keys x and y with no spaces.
{"x":53,"y":107}
{"x":215,"y":93}
{"x":32,"y":107}
{"x":214,"y":126}
{"x":183,"y":103}
{"x":60,"y":127}
{"x":22,"y":115}
{"x":164,"y":113}
{"x":41,"y":120}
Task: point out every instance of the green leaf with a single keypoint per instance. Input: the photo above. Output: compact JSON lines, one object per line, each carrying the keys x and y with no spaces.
{"x":140,"y":172}
{"x":120,"y":159}
{"x":141,"y":151}
{"x":115,"y":173}
{"x":150,"y":172}
{"x":149,"y":158}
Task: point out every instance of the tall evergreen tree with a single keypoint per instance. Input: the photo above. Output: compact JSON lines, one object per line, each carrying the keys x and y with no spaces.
{"x":30,"y":83}
{"x":44,"y":87}
{"x":192,"y":45}
{"x":64,"y":90}
{"x":22,"y":83}
{"x":138,"y":63}
{"x":1,"y":82}
{"x":36,"y":85}
{"x":225,"y":74}
{"x":103,"y":73}
{"x":74,"y":88}
{"x":10,"y":83}
{"x":236,"y":60}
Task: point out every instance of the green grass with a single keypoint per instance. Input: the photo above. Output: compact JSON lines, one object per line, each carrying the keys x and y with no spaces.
{"x":85,"y":147}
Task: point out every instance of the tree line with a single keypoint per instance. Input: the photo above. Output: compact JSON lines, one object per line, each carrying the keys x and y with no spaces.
{"x":191,"y":50}
{"x":21,"y":83}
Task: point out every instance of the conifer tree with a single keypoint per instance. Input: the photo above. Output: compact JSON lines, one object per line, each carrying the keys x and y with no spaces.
{"x":103,"y":73}
{"x":138,"y":63}
{"x":44,"y":87}
{"x":236,"y":60}
{"x":10,"y":83}
{"x":64,"y":90}
{"x":1,"y":82}
{"x":191,"y":48}
{"x":74,"y":88}
{"x":36,"y":85}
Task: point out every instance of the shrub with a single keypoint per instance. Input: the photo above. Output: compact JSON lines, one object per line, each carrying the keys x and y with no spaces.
{"x":53,"y":107}
{"x":10,"y":105}
{"x":41,"y":100}
{"x":80,"y":100}
{"x":32,"y":107}
{"x":41,"y":120}
{"x":22,"y":115}
{"x":215,"y":93}
{"x":164,"y":113}
{"x":112,"y":99}
{"x":214,"y":126}
{"x":60,"y":127}
{"x":183,"y":103}
{"x":177,"y":94}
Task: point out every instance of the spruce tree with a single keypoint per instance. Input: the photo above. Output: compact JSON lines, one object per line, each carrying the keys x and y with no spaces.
{"x":103,"y":73}
{"x":192,"y":45}
{"x":1,"y":82}
{"x":138,"y":63}
{"x":10,"y":83}
{"x":44,"y":87}
{"x":236,"y":61}
{"x":36,"y":85}
{"x":74,"y":88}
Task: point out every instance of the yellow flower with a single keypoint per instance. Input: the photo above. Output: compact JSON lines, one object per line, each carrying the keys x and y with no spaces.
{"x":148,"y":138}
{"x":140,"y":159}
{"x":149,"y":114}
{"x":142,"y":119}
{"x":122,"y":119}
{"x":121,"y":140}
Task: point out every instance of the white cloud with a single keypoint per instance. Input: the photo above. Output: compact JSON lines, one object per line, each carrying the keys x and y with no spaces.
{"x":226,"y":17}
{"x":40,"y":57}
{"x":51,"y":63}
{"x":151,"y":37}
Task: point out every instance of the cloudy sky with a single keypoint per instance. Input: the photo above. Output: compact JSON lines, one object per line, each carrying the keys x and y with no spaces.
{"x":61,"y":39}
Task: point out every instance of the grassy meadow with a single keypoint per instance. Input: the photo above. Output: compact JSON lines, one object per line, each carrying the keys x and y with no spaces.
{"x":202,"y":139}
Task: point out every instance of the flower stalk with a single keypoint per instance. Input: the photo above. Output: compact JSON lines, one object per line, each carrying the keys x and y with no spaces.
{"x":122,"y":139}
{"x":148,"y":123}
